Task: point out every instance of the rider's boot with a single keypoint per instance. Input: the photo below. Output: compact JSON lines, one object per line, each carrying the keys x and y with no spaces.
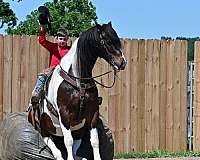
{"x":37,"y":91}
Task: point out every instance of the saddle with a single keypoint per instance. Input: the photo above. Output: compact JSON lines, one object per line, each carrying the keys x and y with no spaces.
{"x":35,"y":110}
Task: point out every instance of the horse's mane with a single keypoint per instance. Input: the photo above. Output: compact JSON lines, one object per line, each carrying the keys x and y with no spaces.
{"x":88,"y":48}
{"x":88,"y":41}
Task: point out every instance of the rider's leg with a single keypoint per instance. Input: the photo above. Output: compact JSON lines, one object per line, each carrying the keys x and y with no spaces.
{"x":41,"y":80}
{"x":36,"y":94}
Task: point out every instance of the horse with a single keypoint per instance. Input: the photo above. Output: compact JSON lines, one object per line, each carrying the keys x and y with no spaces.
{"x":71,"y":105}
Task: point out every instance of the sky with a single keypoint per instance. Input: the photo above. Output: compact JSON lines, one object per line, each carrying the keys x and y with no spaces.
{"x":137,"y":19}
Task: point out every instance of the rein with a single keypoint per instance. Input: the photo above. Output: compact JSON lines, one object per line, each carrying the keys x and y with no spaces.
{"x":92,"y":78}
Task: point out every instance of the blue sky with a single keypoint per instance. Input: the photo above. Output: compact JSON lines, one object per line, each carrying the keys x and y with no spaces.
{"x":146,"y":19}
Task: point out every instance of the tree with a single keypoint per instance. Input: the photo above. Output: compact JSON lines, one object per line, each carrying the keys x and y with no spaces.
{"x":191,"y":42}
{"x":75,"y":15}
{"x":7,"y":16}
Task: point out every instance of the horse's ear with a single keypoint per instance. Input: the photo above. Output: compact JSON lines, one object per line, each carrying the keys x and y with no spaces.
{"x":110,"y":24}
{"x":99,"y":27}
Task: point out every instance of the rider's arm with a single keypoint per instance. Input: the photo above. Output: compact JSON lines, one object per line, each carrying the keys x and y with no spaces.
{"x":43,"y":41}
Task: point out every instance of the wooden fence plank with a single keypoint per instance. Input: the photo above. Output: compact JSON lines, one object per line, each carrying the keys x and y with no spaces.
{"x":24,"y":72}
{"x":112,"y":115}
{"x":196,"y":116}
{"x":106,"y":79}
{"x":169,"y":109}
{"x":16,"y":83}
{"x":176,"y":95}
{"x":7,"y":76}
{"x":183,"y":95}
{"x":148,"y":95}
{"x":115,"y":100}
{"x":33,"y":64}
{"x":1,"y":73}
{"x":155,"y":95}
{"x":125,"y":100}
{"x":163,"y":94}
{"x":141,"y":95}
{"x":134,"y":58}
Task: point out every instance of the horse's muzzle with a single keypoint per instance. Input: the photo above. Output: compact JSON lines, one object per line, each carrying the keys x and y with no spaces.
{"x":123,"y":64}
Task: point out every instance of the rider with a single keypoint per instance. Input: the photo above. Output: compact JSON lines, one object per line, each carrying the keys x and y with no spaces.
{"x":57,"y":51}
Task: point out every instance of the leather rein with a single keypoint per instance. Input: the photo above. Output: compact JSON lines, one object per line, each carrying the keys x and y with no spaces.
{"x":68,"y":77}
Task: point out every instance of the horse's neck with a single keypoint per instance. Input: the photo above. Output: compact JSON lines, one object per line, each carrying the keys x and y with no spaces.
{"x":82,"y":69}
{"x":85,"y":59}
{"x":81,"y":57}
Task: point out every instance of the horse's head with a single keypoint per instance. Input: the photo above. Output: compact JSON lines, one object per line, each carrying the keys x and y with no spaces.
{"x":110,"y":41}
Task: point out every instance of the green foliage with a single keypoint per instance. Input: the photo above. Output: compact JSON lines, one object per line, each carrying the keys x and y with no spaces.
{"x":7,"y":16}
{"x":156,"y":154}
{"x":191,"y":42}
{"x":76,"y":15}
{"x":166,"y":38}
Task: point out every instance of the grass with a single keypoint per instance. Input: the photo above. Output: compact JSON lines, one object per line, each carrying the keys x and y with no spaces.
{"x":156,"y":154}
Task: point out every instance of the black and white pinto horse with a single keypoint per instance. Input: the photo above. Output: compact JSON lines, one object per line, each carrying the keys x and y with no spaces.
{"x":73,"y":93}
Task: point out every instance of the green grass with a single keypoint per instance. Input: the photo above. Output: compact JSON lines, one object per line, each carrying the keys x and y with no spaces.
{"x":156,"y":154}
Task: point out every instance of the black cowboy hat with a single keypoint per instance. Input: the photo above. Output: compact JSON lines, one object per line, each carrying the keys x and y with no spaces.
{"x":44,"y":16}
{"x":43,"y":10}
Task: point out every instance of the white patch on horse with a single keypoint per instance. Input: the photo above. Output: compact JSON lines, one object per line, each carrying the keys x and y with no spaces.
{"x":56,"y":79}
{"x":55,"y":151}
{"x":66,"y":62}
{"x":68,"y":139}
{"x":94,"y":139}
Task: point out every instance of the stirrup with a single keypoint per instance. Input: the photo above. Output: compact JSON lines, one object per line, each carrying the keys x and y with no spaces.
{"x":36,"y":96}
{"x":35,"y":100}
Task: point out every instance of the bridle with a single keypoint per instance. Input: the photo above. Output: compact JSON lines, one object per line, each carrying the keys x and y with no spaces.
{"x":92,"y":78}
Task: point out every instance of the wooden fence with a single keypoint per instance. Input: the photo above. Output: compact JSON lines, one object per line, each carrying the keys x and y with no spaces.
{"x":196,"y":111}
{"x":147,"y":107}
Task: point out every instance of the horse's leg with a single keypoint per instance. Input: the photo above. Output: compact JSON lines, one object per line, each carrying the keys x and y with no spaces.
{"x":94,"y":139}
{"x":68,"y":140}
{"x":55,"y":151}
